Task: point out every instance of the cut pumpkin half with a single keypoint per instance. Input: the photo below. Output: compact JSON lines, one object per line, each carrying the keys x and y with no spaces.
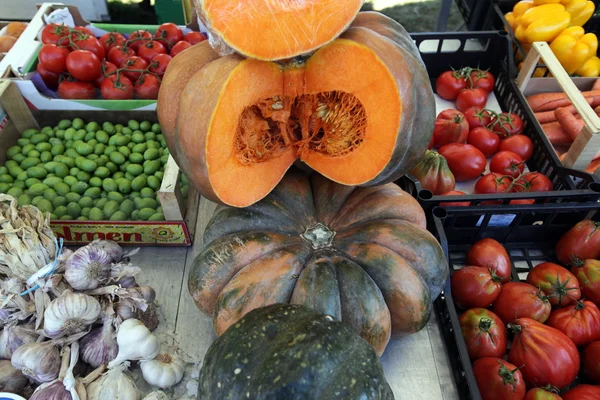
{"x":275,"y":29}
{"x":360,"y":111}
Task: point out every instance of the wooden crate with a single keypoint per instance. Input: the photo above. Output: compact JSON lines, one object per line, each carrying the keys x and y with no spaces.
{"x":178,"y":230}
{"x":587,"y":144}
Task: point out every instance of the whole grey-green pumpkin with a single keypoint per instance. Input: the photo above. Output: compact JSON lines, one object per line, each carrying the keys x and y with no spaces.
{"x":288,"y":352}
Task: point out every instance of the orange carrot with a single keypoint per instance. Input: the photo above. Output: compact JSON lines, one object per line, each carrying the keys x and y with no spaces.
{"x":548,"y":116}
{"x":556,"y":134}
{"x":571,"y":125}
{"x":550,"y":101}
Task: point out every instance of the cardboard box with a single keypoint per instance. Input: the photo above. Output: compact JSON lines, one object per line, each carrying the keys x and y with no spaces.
{"x":178,"y":230}
{"x":33,"y":90}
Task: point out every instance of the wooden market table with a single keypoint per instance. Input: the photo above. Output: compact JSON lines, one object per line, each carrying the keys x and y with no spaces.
{"x":417,"y":367}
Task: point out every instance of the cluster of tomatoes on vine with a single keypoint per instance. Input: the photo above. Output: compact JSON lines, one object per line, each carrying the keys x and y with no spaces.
{"x":76,"y":63}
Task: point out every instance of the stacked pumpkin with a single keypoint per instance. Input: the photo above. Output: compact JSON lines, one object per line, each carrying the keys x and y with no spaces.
{"x":342,"y":93}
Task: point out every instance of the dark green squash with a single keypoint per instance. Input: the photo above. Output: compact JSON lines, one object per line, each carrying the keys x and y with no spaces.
{"x":288,"y":352}
{"x":361,"y":255}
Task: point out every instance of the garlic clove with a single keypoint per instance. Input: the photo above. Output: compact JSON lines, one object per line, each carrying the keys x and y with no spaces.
{"x":39,"y":361}
{"x":88,"y":267}
{"x":54,"y":390}
{"x":11,"y":379}
{"x":112,"y":249}
{"x":69,"y":314}
{"x":136,"y":342}
{"x":164,"y":371}
{"x":127,"y":282}
{"x":100,"y":345}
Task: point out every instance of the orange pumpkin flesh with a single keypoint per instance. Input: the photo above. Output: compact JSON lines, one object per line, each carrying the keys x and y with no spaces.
{"x":275,"y":29}
{"x":348,"y":112}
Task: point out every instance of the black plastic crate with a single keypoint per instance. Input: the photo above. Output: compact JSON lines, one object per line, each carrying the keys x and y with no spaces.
{"x":493,"y":51}
{"x":529,"y":234}
{"x":474,"y":12}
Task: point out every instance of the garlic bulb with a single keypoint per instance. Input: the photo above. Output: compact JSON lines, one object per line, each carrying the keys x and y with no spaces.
{"x":145,"y":292}
{"x":70,"y":313}
{"x":38,"y":361}
{"x":135,"y":342}
{"x":127,"y":282}
{"x":13,"y":337}
{"x":126,"y":309}
{"x":164,"y":371}
{"x":54,"y":390}
{"x":157,"y":395}
{"x":88,"y":267}
{"x":114,"y":385}
{"x":11,"y":379}
{"x":112,"y":249}
{"x":100,"y":345}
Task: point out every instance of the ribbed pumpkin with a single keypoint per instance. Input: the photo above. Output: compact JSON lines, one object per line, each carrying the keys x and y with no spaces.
{"x":361,"y":255}
{"x":275,"y":29}
{"x":289,"y":352}
{"x":360,"y":111}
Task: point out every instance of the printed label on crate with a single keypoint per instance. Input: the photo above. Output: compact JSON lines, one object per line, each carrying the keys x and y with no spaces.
{"x":134,"y":233}
{"x":498,"y":220}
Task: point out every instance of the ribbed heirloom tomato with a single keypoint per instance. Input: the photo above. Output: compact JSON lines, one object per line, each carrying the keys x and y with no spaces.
{"x":498,"y":379}
{"x":560,"y":285}
{"x":547,"y":356}
{"x":450,"y":127}
{"x":475,"y":287}
{"x":541,"y":394}
{"x":590,"y":361}
{"x":583,"y":392}
{"x":521,"y":300}
{"x":580,"y":242}
{"x":588,"y":275}
{"x":484,"y":333}
{"x":490,"y":254}
{"x":580,"y":322}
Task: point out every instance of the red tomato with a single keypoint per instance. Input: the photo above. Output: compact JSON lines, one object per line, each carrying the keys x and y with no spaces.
{"x":532,"y":182}
{"x":92,"y":44}
{"x":81,"y":30}
{"x":483,"y":80}
{"x":179,"y":47}
{"x":471,"y":98}
{"x":498,"y":379}
{"x":449,"y":83}
{"x":507,"y":163}
{"x":484,"y":333}
{"x":50,"y":78}
{"x":541,"y":394}
{"x":168,"y":34}
{"x":588,"y":275}
{"x":147,"y":87}
{"x":76,"y":90}
{"x":53,"y":32}
{"x":580,"y":242}
{"x":137,"y":38}
{"x":112,"y":39}
{"x":194,"y":37}
{"x":106,"y":67}
{"x":561,"y":286}
{"x":522,"y":201}
{"x":83,"y":65}
{"x":475,"y":287}
{"x":159,"y":64}
{"x":455,"y":203}
{"x":518,"y":144}
{"x":507,"y":125}
{"x":450,"y":127}
{"x":547,"y":356}
{"x":521,"y":300}
{"x":134,"y":63}
{"x":119,"y":54}
{"x":53,"y":58}
{"x":583,"y":392}
{"x":490,"y":254}
{"x":590,"y":361}
{"x":151,"y":49}
{"x":580,"y":322}
{"x":116,"y":89}
{"x":484,"y":140}
{"x":493,"y":183}
{"x":465,"y":161}
{"x":477,"y":117}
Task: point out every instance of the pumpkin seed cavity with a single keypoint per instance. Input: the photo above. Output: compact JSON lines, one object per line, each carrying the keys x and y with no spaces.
{"x":331,"y":123}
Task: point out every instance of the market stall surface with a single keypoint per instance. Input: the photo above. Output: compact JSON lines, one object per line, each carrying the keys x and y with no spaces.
{"x":417,"y":367}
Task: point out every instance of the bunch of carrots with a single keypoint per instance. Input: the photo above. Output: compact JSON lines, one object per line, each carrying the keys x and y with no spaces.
{"x":561,"y":122}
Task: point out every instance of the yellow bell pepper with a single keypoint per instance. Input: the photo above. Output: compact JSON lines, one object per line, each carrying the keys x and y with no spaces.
{"x":542,"y":23}
{"x":581,"y":10}
{"x":591,"y":68}
{"x":573,"y":47}
{"x":540,"y":2}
